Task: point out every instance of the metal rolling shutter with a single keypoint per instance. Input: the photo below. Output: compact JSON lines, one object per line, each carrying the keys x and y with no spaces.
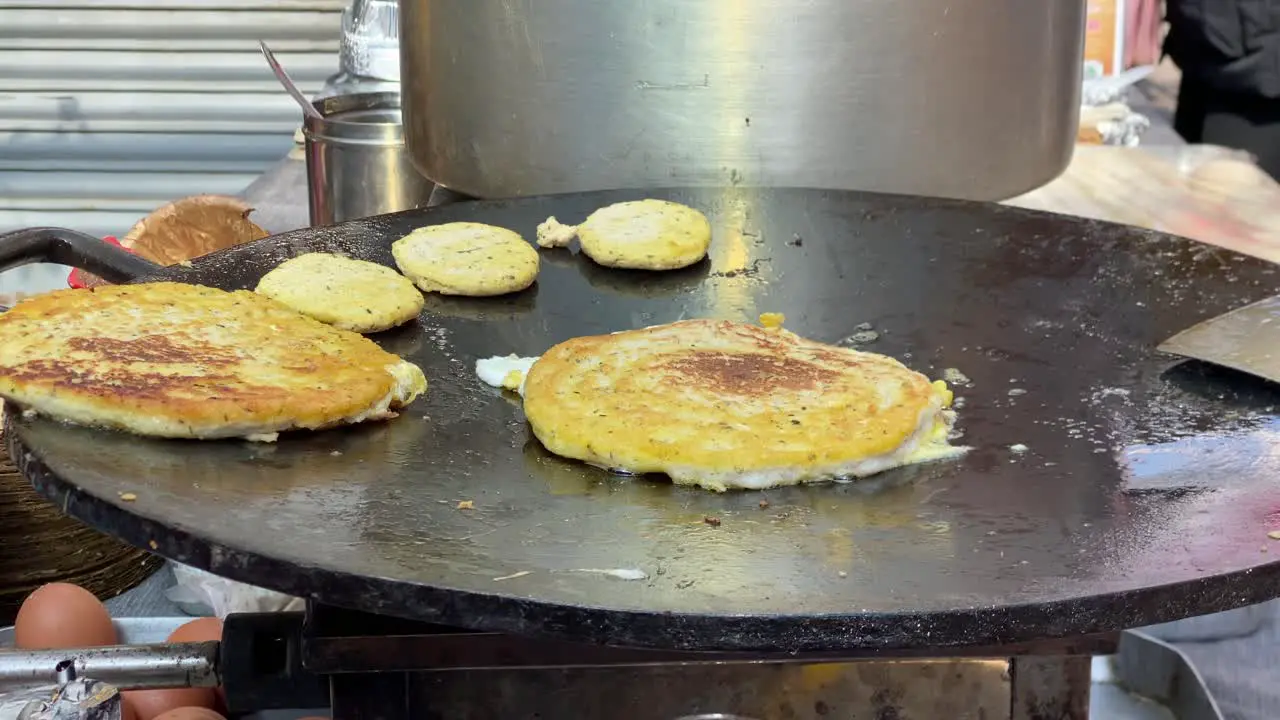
{"x":111,"y":108}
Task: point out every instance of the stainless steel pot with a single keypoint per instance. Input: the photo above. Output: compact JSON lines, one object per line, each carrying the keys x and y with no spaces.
{"x":357,"y":165}
{"x":975,"y":99}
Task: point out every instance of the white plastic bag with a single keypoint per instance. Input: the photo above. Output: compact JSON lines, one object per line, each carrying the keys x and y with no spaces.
{"x":1110,"y":89}
{"x":199,"y":593}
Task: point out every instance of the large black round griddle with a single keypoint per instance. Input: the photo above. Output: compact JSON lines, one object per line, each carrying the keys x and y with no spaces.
{"x":1109,"y":486}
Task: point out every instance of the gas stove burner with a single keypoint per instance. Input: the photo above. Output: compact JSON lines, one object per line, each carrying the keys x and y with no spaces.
{"x":277,"y":661}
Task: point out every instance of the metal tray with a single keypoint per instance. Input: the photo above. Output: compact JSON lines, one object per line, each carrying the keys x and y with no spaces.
{"x":1147,"y":679}
{"x":131,"y":631}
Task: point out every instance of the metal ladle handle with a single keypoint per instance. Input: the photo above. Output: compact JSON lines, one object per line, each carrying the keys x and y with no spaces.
{"x":289,"y":86}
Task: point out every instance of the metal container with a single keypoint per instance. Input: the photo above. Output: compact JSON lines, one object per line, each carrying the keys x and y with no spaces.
{"x":370,"y":45}
{"x":357,"y":165}
{"x":977,"y":100}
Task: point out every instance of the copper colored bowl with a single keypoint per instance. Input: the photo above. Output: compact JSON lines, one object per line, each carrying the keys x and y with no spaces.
{"x":188,"y":228}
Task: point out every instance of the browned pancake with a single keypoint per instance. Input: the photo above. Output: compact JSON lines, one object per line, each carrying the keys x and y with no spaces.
{"x":723,"y":405}
{"x":176,"y":360}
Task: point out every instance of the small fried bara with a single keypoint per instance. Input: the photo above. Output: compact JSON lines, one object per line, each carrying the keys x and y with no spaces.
{"x":636,"y":235}
{"x":466,"y":258}
{"x":354,"y":295}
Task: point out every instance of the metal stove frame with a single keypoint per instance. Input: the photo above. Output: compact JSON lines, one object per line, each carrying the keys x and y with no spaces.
{"x":369,"y":666}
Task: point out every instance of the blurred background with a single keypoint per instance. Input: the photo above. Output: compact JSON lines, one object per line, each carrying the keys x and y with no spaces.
{"x":110,"y":109}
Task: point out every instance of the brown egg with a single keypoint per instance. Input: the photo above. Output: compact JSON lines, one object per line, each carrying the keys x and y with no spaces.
{"x":62,"y":615}
{"x":190,"y":713}
{"x":126,"y":710}
{"x":151,"y":704}
{"x":201,"y":630}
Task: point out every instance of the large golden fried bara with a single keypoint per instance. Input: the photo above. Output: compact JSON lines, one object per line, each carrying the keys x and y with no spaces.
{"x":727,"y":405}
{"x":183,"y":361}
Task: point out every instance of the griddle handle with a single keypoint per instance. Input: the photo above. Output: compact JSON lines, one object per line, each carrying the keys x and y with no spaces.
{"x":68,"y":247}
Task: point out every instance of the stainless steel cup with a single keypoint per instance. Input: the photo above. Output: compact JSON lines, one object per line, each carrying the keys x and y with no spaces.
{"x":357,"y":164}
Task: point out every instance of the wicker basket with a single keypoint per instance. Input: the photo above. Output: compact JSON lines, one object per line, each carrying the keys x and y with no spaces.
{"x":41,"y":545}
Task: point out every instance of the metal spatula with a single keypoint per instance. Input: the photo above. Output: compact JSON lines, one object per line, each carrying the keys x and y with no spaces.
{"x":1246,"y":339}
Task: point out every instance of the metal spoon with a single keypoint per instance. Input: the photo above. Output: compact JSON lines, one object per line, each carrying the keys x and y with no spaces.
{"x":307,"y":108}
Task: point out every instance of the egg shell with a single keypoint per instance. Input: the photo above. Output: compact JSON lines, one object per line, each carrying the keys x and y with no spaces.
{"x":190,"y":713}
{"x":62,"y":615}
{"x":151,"y":704}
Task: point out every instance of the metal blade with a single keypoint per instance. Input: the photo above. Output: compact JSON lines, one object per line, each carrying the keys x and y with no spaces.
{"x":1246,"y":339}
